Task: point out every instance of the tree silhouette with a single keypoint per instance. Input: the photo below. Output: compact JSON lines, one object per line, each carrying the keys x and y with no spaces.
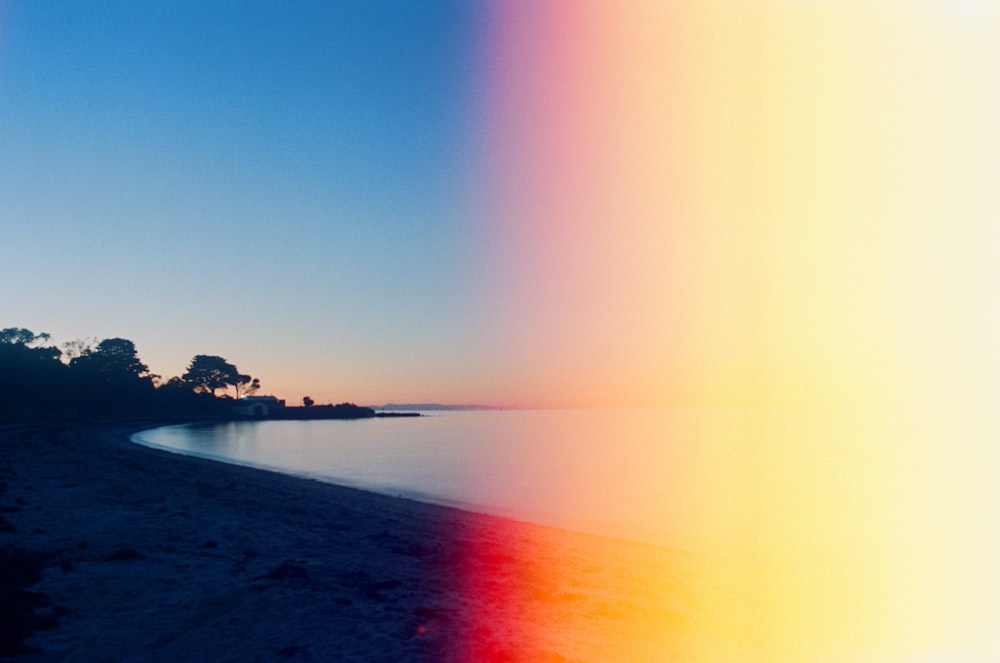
{"x":32,"y":379}
{"x":110,"y":379}
{"x":209,"y":373}
{"x":77,"y":348}
{"x":21,"y":336}
{"x":91,"y":380}
{"x":246,"y":385}
{"x":114,"y":359}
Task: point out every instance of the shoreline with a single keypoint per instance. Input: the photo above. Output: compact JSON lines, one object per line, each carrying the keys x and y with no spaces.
{"x":153,"y":555}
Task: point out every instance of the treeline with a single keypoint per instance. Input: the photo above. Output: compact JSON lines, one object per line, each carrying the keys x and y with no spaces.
{"x":105,"y":380}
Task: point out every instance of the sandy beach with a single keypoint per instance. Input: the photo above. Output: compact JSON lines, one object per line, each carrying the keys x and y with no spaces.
{"x":145,"y":555}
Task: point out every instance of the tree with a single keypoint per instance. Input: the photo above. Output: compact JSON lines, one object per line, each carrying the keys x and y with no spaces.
{"x":110,"y":380}
{"x":21,"y":336}
{"x":113,"y":358}
{"x":246,"y":385}
{"x":178,"y":396}
{"x":307,"y":401}
{"x":208,"y":374}
{"x":17,"y":341}
{"x":173,"y":384}
{"x":33,"y":382}
{"x":77,"y":348}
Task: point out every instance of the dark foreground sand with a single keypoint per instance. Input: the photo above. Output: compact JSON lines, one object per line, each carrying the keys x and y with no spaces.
{"x":150,"y":556}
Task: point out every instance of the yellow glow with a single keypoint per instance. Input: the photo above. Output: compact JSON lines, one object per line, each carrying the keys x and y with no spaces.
{"x":791,"y":206}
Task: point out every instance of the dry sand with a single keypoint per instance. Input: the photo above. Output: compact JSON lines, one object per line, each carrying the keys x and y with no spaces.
{"x":150,"y":556}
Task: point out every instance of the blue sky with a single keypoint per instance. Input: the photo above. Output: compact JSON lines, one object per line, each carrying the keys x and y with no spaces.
{"x":288,"y":186}
{"x":560,"y":203}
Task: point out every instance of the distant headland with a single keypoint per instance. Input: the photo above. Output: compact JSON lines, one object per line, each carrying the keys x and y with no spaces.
{"x":432,"y":407}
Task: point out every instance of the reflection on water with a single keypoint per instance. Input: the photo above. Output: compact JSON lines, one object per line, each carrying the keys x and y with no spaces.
{"x":627,"y":473}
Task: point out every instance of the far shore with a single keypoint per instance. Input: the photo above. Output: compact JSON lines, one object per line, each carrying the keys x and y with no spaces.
{"x":145,"y":555}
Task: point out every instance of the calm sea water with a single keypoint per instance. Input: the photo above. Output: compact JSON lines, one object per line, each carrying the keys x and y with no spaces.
{"x":634,"y":474}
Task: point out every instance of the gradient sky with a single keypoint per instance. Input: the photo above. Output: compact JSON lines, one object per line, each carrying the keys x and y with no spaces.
{"x":286,"y":186}
{"x":519,"y":203}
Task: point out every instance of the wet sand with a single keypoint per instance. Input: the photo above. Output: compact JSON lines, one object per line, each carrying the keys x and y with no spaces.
{"x":146,"y":555}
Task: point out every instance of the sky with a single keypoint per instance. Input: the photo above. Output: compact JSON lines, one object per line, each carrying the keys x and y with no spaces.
{"x":552,"y":204}
{"x":284,"y":187}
